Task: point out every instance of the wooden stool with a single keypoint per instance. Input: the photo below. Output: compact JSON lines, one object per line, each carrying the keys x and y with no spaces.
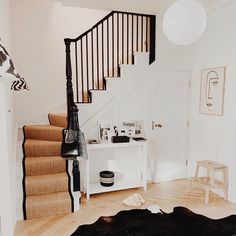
{"x":210,"y":182}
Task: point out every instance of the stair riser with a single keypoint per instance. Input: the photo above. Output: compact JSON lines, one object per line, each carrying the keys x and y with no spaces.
{"x":48,"y":208}
{"x":42,"y":185}
{"x":57,"y":120}
{"x":37,"y":150}
{"x":44,"y":134}
{"x":44,"y":166}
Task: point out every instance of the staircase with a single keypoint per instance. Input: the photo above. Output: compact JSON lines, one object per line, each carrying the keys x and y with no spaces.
{"x":46,"y":181}
{"x":98,"y":53}
{"x":99,"y":60}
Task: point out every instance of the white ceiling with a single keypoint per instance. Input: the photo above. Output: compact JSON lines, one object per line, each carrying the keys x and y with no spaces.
{"x":145,"y":6}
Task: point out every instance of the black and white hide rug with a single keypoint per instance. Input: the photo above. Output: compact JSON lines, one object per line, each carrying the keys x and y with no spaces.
{"x":181,"y":222}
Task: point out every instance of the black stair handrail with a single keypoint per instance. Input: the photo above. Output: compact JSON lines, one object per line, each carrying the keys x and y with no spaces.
{"x":99,"y":51}
{"x":104,"y":19}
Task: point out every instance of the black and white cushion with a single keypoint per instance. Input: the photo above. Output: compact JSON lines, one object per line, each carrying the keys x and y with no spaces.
{"x":8,"y":70}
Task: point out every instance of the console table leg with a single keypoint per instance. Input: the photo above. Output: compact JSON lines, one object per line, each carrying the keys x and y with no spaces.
{"x":144,"y":152}
{"x":87,"y":180}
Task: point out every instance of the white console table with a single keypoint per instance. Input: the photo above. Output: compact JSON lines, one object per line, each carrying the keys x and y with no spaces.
{"x":93,"y":188}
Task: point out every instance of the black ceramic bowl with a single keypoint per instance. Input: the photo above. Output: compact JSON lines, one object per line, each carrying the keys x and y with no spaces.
{"x":106,"y":178}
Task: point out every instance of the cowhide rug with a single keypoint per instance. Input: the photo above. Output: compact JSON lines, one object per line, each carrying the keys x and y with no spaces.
{"x":182,"y":222}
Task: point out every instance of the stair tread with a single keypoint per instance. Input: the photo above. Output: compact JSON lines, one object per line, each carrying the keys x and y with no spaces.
{"x":44,"y":184}
{"x":44,"y":165}
{"x":113,"y":78}
{"x":53,"y":127}
{"x":44,"y":157}
{"x":41,"y":142}
{"x":48,"y":204}
{"x":141,"y":53}
{"x":58,"y":114}
{"x":54,"y":176}
{"x":58,"y":119}
{"x":49,"y":196}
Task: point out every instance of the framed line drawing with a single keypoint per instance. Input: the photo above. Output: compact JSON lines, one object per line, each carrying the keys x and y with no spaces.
{"x":212,"y":91}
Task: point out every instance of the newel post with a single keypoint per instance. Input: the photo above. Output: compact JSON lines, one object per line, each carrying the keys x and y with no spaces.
{"x":72,"y":110}
{"x":72,"y":120}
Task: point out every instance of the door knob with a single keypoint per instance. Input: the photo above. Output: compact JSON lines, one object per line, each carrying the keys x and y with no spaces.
{"x":156,"y":125}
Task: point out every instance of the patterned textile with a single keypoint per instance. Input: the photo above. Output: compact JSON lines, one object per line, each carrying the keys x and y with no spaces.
{"x":181,"y":222}
{"x":8,"y":70}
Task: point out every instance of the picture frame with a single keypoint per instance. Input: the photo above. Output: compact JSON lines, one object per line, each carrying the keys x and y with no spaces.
{"x":107,"y":129}
{"x":212,"y":91}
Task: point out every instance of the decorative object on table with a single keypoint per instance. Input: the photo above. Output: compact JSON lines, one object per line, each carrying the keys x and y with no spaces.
{"x":181,"y":222}
{"x":184,"y":22}
{"x":93,"y":141}
{"x":8,"y":70}
{"x":139,"y":139}
{"x":107,"y":178}
{"x":108,"y":129}
{"x":154,"y":209}
{"x":119,"y":139}
{"x":135,"y":200}
{"x":212,"y":91}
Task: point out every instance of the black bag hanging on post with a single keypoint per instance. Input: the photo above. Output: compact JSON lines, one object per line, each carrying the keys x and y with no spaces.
{"x":69,"y":147}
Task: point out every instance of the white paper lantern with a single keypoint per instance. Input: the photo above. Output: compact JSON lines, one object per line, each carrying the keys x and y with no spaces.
{"x":184,"y":22}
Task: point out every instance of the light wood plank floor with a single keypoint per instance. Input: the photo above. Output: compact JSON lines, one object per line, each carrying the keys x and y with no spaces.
{"x":166,"y":195}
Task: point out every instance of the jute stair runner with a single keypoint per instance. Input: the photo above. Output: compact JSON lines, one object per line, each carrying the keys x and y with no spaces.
{"x":46,"y":183}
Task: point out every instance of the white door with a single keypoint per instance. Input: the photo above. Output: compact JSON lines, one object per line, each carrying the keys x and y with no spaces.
{"x":170,"y":125}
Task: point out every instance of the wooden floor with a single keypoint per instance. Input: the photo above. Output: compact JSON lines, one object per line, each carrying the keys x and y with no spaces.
{"x":166,"y":195}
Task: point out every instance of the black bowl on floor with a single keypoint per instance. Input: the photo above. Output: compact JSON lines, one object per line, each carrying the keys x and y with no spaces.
{"x":107,"y":178}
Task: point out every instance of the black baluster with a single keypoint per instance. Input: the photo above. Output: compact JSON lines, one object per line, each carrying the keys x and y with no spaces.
{"x":113,"y":48}
{"x":76,"y":72}
{"x":108,"y":47}
{"x":122,"y":40}
{"x":92,"y":59}
{"x":118,"y":42}
{"x":82,"y":69}
{"x":103,"y":77}
{"x":127,"y":39}
{"x":132,"y":45}
{"x":137,"y":35}
{"x":147,"y":34}
{"x":88,"y":98}
{"x":142,"y":33}
{"x":97,"y":60}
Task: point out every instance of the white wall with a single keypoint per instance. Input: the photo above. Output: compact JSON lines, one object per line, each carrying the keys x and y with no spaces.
{"x":7,"y":160}
{"x":7,"y":136}
{"x":38,"y":31}
{"x":213,"y":137}
{"x":5,"y":22}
